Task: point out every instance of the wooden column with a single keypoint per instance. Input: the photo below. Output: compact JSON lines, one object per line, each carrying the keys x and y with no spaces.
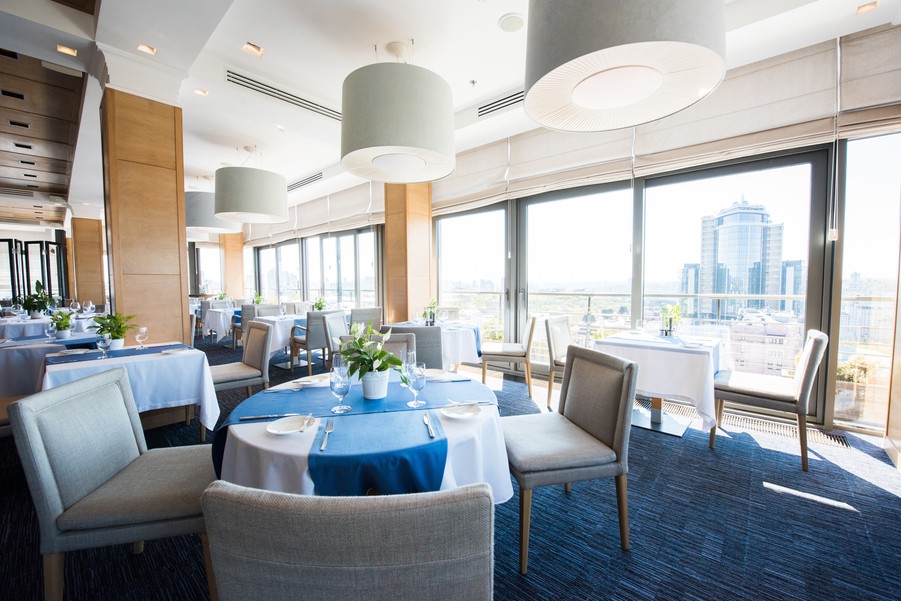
{"x":86,"y":267}
{"x":145,"y":213}
{"x":232,"y":248}
{"x":409,"y":250}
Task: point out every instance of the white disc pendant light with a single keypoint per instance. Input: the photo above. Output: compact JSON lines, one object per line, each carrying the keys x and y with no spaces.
{"x":251,"y":195}
{"x":200,"y":215}
{"x":397,"y":124}
{"x":595,"y":65}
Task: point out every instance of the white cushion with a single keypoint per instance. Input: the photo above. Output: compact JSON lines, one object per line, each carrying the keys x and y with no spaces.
{"x":739,"y":382}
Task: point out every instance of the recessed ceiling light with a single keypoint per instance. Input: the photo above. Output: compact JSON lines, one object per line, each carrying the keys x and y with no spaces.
{"x":280,"y":128}
{"x":147,"y":49}
{"x":253,"y":49}
{"x":87,"y":204}
{"x":66,"y":50}
{"x":201,"y":92}
{"x":865,"y":8}
{"x":511,"y":22}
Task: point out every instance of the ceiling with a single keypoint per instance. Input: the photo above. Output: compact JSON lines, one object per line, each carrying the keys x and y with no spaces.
{"x":310,"y":48}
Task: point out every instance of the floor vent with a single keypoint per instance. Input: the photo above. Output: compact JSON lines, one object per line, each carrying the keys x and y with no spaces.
{"x":754,"y":424}
{"x":500,"y":103}
{"x":262,"y":88}
{"x":305,"y":182}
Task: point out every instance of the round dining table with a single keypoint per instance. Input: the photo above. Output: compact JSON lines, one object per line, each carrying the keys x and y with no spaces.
{"x":276,"y":440}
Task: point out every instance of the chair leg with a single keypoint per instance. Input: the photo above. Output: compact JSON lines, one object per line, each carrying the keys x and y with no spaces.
{"x":567,"y":487}
{"x":54,"y":564}
{"x":720,"y":403}
{"x":249,"y":391}
{"x":310,"y":361}
{"x":802,"y":435}
{"x":550,"y":385}
{"x":525,"y":518}
{"x":529,"y":377}
{"x":622,"y":505}
{"x":484,"y":370}
{"x":137,"y":547}
{"x":208,"y":567}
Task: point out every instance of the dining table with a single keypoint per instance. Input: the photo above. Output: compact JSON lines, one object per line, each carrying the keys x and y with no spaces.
{"x":281,"y":329}
{"x":276,"y":439}
{"x":461,"y":342}
{"x":672,"y":367}
{"x":13,"y":327}
{"x":220,"y":321}
{"x":169,"y":374}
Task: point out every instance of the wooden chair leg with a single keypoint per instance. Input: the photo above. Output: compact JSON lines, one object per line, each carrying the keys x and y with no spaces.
{"x":525,"y":518}
{"x":567,"y":487}
{"x":622,"y":505}
{"x":54,"y":564}
{"x":208,"y":567}
{"x":202,"y":433}
{"x":720,"y":403}
{"x":137,"y":547}
{"x":802,"y":435}
{"x":529,"y":377}
{"x":249,"y":391}
{"x":310,"y":361}
{"x":550,"y":385}
{"x":484,"y":370}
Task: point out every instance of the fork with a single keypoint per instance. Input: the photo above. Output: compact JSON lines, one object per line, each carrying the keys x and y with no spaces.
{"x":329,"y":426}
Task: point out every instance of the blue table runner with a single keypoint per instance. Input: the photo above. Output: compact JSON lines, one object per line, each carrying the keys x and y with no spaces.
{"x":125,"y":352}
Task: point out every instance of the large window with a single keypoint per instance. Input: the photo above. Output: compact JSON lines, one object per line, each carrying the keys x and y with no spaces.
{"x":290,"y":286}
{"x":870,"y":241}
{"x":472,"y":255}
{"x":268,"y":274}
{"x":341,"y":268}
{"x":210,"y":269}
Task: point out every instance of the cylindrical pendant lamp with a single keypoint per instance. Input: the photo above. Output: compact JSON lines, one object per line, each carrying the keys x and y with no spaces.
{"x":397,"y":124}
{"x":251,"y":195}
{"x":200,"y":215}
{"x":595,"y":65}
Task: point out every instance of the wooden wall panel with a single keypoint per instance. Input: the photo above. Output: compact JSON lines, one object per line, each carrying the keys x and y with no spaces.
{"x":145,"y":206}
{"x":409,"y":254}
{"x":87,"y":260}
{"x":232,"y":246}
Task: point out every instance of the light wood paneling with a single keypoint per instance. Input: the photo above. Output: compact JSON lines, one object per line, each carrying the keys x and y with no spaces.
{"x":145,"y":204}
{"x":232,"y":246}
{"x":87,"y":260}
{"x":409,"y":252}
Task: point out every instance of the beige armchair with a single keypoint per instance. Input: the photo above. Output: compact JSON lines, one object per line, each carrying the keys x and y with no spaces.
{"x":310,"y":338}
{"x":335,"y":327}
{"x":367,"y":315}
{"x":507,"y":352}
{"x":558,"y":340}
{"x":253,"y":368}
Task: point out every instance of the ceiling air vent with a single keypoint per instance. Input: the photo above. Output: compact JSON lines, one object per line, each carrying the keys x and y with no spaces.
{"x":262,"y":88}
{"x":501,"y":103}
{"x":305,"y":182}
{"x":16,"y":192}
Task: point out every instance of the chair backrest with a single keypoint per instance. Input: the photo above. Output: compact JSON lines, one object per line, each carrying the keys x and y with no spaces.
{"x":453,"y":313}
{"x":397,"y":344}
{"x":558,"y":336}
{"x":266,"y":311}
{"x":220,"y":304}
{"x":257,"y":339}
{"x":597,"y":395}
{"x":428,"y":343}
{"x":73,"y":438}
{"x":270,"y":545}
{"x":335,"y":327}
{"x":204,"y":307}
{"x":316,"y":329}
{"x":530,"y":328}
{"x":367,"y":315}
{"x":808,"y":364}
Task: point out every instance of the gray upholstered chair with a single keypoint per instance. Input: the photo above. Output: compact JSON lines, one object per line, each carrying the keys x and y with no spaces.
{"x":397,"y":344}
{"x":587,"y":438}
{"x":335,"y":327}
{"x":558,"y":340}
{"x":310,"y":338}
{"x":366,"y":316}
{"x":92,"y":479}
{"x":428,"y":343}
{"x":279,"y":546}
{"x":237,"y":329}
{"x":511,"y":352}
{"x":254,"y":366}
{"x":774,"y":392}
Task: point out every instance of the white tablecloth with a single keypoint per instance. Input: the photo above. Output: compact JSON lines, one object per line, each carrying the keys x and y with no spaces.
{"x":281,"y":330}
{"x":158,"y":380}
{"x":671,"y":367}
{"x":219,"y":321}
{"x":475,"y":453}
{"x":458,"y":344}
{"x":13,"y":328}
{"x":21,"y":366}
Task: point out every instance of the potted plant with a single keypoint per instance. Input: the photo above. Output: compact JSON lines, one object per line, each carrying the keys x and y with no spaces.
{"x":257,"y":299}
{"x":428,"y":314}
{"x":671,"y":316}
{"x":63,"y":322}
{"x":366,"y":358}
{"x":38,"y":302}
{"x":319,"y":304}
{"x":114,"y":324}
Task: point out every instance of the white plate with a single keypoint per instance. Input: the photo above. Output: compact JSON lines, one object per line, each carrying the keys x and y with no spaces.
{"x":74,"y":351}
{"x":461,"y":411}
{"x":289,"y":425}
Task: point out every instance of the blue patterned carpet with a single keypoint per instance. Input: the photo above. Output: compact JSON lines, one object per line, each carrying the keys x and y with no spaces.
{"x":740,"y":522}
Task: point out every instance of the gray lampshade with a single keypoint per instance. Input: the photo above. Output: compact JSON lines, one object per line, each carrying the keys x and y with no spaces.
{"x":200,"y":215}
{"x":397,"y":124}
{"x":251,"y":195}
{"x":594,"y":65}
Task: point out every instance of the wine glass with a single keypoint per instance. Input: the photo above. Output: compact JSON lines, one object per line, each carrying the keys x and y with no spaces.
{"x":74,"y":306}
{"x":408,"y":358}
{"x":416,"y":378}
{"x":50,"y":330}
{"x":88,"y":307}
{"x":103,"y":343}
{"x":141,"y":336}
{"x":18,"y":311}
{"x":339,"y":382}
{"x":442,"y":315}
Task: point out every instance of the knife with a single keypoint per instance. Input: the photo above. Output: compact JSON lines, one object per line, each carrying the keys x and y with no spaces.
{"x":274,"y":416}
{"x":428,"y":423}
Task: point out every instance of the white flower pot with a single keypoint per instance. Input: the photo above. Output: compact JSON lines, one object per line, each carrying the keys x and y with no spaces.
{"x":375,"y":385}
{"x":63,"y":334}
{"x":36,"y":314}
{"x":116,"y":344}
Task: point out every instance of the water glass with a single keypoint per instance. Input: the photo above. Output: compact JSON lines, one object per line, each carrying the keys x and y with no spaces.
{"x":416,"y":379}
{"x":103,"y":344}
{"x":74,"y":306}
{"x":50,"y":330}
{"x":141,"y":336}
{"x":88,"y":307}
{"x":339,"y":383}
